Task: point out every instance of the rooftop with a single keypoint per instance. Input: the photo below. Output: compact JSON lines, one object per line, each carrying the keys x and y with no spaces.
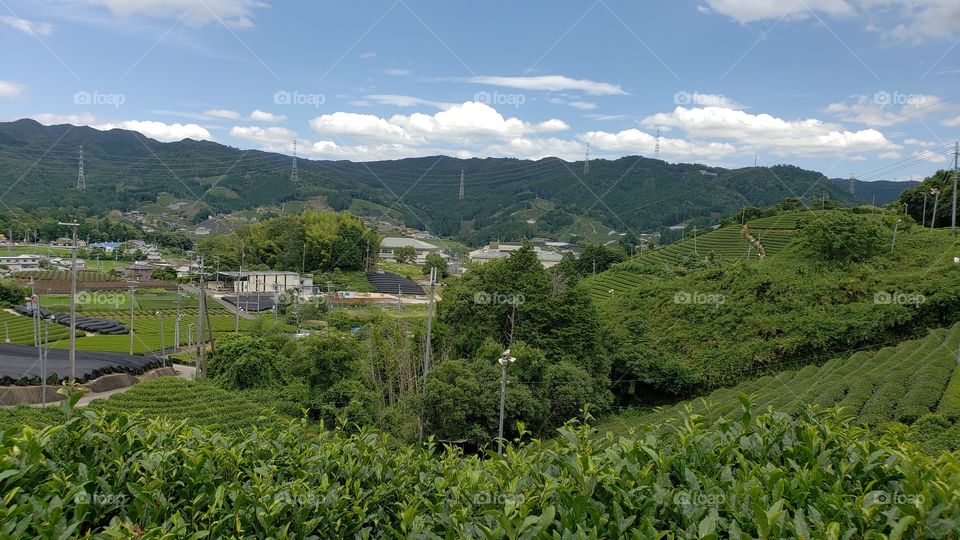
{"x":402,"y":241}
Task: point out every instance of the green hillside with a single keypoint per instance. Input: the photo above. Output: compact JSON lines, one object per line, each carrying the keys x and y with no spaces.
{"x":127,"y":171}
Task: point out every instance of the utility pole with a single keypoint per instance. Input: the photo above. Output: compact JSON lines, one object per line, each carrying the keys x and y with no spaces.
{"x":237,"y":288}
{"x":73,"y":300}
{"x":426,"y":348}
{"x":936,"y":202}
{"x":505,"y":360}
{"x":956,"y":156}
{"x":201,"y":336}
{"x":133,"y":289}
{"x":896,"y":225}
{"x":923,"y":216}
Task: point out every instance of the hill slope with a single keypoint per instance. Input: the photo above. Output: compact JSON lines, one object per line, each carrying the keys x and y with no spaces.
{"x":125,"y":170}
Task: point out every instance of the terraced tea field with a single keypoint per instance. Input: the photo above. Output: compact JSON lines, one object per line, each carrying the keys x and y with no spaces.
{"x":614,"y":283}
{"x":899,"y":383}
{"x":19,"y":329}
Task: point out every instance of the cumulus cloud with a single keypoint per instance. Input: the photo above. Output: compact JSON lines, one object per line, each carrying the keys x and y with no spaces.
{"x":27,"y":27}
{"x":161,"y":131}
{"x":950,"y":122}
{"x":263,"y":116}
{"x":552,"y":83}
{"x":886,"y":108}
{"x":468,"y":122}
{"x":635,"y":141}
{"x":272,"y":139}
{"x":763,"y":131}
{"x":746,"y":11}
{"x":11,"y":90}
{"x":233,"y":13}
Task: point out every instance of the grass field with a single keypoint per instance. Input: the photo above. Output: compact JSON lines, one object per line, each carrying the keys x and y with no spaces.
{"x":13,"y":251}
{"x":901,"y":383}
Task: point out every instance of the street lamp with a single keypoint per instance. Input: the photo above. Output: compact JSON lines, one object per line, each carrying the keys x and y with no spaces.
{"x":163,"y":348}
{"x":43,"y":364}
{"x":505,"y":360}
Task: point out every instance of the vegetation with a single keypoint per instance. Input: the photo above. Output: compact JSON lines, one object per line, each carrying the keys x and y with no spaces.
{"x":761,"y":476}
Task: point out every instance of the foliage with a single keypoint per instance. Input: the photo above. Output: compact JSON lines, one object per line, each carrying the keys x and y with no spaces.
{"x":841,"y":236}
{"x":11,"y":293}
{"x":243,"y":362}
{"x":405,"y":254}
{"x":164,"y":273}
{"x":764,"y":475}
{"x":434,"y":260}
{"x":597,"y":258}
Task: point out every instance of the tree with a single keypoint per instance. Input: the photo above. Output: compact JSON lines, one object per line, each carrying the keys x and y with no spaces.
{"x":405,"y":254}
{"x":597,"y":258}
{"x":164,"y":274}
{"x":434,"y":260}
{"x":11,"y":293}
{"x":243,"y":362}
{"x":841,"y":236}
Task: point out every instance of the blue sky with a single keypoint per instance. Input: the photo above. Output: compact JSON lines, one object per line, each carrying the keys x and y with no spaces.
{"x":865,"y":87}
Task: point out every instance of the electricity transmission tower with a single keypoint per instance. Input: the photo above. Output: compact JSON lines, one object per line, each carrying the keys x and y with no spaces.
{"x":81,"y":182}
{"x":294,"y":173}
{"x":461,"y":185}
{"x":656,"y":147}
{"x":586,"y":161}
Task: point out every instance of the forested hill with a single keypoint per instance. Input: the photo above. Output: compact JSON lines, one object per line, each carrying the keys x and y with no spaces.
{"x":124,"y":169}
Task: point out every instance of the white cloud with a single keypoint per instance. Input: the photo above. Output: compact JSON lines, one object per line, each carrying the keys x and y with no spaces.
{"x":370,"y":55}
{"x":11,"y":90}
{"x":763,"y":131}
{"x":396,"y":71}
{"x":226,"y":114}
{"x":49,"y":119}
{"x":467,"y":123}
{"x":904,"y":20}
{"x":746,"y":11}
{"x":576,"y":104}
{"x":366,"y":126}
{"x":161,"y":131}
{"x":263,"y":116}
{"x":272,"y":139}
{"x":934,"y":157}
{"x":27,"y":27}
{"x":699,"y":99}
{"x":233,"y":13}
{"x":892,"y":154}
{"x":886,"y":108}
{"x":552,"y":83}
{"x":635,"y":141}
{"x":917,"y":142}
{"x":950,"y":122}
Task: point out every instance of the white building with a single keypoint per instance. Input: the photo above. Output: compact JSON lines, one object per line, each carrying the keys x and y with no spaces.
{"x":262,"y":281}
{"x":390,"y":244}
{"x":496,"y":250}
{"x":20,"y":263}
